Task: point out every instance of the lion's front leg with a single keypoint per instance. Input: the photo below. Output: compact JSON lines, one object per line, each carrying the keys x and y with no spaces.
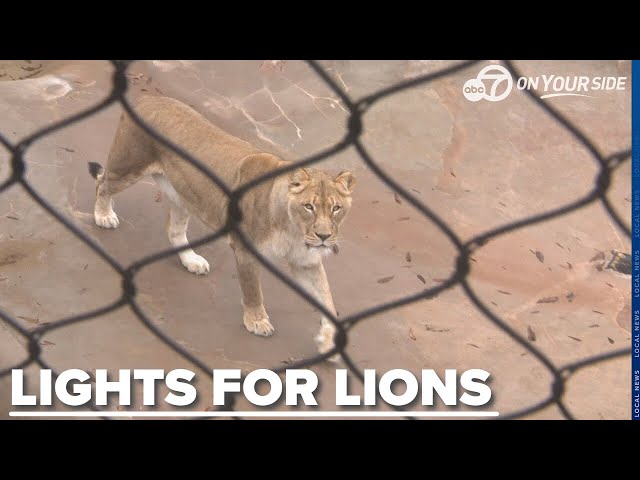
{"x":255,"y":317}
{"x":313,"y":279}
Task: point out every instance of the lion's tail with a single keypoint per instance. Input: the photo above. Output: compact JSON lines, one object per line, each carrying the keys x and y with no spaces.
{"x":95,"y":169}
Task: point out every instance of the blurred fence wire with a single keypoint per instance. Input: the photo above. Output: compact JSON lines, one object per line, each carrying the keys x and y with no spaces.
{"x":357,"y":109}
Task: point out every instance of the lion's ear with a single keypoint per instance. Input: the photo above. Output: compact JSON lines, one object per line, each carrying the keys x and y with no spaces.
{"x":345,"y":181}
{"x":298,"y":180}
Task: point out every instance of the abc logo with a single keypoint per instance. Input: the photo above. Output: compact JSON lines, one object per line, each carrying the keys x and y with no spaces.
{"x":475,"y":90}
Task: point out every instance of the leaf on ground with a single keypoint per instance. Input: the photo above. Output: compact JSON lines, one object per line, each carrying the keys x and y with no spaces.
{"x":429,"y":328}
{"x":610,"y":340}
{"x":407,"y":257}
{"x":411,"y":335}
{"x":386,"y":279}
{"x":29,"y":319}
{"x":531,"y":335}
{"x":504,"y":292}
{"x":397,"y":197}
{"x":548,"y":300}
{"x":421,"y":278}
{"x":290,"y":360}
{"x":574,"y":338}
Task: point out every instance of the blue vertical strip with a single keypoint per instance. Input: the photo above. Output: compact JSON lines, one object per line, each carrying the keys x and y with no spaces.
{"x":635,"y":240}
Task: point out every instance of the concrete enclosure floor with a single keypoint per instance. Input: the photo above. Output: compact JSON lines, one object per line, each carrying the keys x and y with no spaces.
{"x":476,"y":165}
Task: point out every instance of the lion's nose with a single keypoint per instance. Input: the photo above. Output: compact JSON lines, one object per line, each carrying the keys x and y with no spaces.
{"x":323,"y":236}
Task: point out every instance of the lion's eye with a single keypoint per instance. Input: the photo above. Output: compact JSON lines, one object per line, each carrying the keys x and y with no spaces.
{"x":308,"y":206}
{"x":336,"y":208}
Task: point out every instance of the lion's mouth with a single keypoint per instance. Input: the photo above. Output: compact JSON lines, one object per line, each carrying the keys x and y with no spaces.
{"x":325,"y":248}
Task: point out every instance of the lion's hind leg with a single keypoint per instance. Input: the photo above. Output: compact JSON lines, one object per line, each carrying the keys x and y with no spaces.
{"x":177,"y":231}
{"x":177,"y":224}
{"x":107,"y":185}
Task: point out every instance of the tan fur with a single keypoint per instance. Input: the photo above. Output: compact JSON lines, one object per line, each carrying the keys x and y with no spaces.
{"x":294,"y":217}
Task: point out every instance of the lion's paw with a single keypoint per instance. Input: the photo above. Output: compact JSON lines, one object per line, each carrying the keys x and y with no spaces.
{"x":109,"y":220}
{"x":324,"y":341}
{"x":194,"y":263}
{"x":258,"y":326}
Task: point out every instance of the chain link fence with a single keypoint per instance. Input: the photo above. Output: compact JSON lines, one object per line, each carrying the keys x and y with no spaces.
{"x":561,"y":374}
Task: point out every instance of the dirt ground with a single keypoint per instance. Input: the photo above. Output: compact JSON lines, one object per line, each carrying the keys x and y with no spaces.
{"x":476,"y":165}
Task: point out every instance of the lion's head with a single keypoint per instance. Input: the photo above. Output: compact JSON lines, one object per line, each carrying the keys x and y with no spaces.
{"x":318,"y":204}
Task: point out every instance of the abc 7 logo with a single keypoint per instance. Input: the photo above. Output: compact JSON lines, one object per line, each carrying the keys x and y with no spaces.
{"x":474,"y":89}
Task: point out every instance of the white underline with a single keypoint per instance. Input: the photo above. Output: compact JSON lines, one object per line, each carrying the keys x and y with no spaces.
{"x":253,"y":414}
{"x":551,"y":95}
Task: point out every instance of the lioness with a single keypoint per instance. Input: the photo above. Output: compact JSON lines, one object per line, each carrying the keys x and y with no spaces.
{"x":294,"y":217}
